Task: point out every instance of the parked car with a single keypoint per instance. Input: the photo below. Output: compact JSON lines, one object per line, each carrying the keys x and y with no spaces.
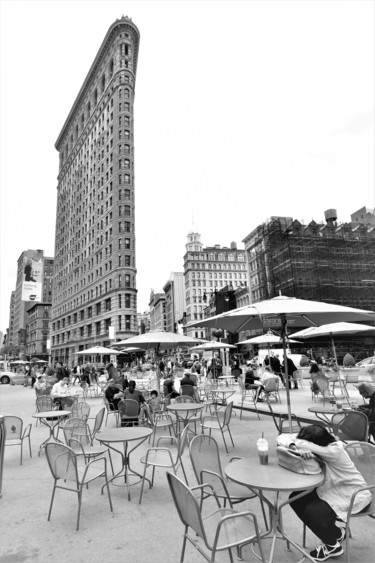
{"x":5,"y":376}
{"x":367,"y":365}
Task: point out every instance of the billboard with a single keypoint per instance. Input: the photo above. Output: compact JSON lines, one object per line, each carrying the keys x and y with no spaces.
{"x":32,"y":279}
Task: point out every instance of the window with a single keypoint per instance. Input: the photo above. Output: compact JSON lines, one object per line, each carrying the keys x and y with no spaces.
{"x":89,"y":330}
{"x":81,"y":332}
{"x":98,"y":308}
{"x":97,"y":328}
{"x":127,"y":280}
{"x":127,"y":260}
{"x":127,"y":300}
{"x":107,"y":324}
{"x":82,"y":315}
{"x":127,"y":226}
{"x":127,"y":322}
{"x":127,"y":243}
{"x":127,"y":210}
{"x":108,"y":304}
{"x":89,"y":312}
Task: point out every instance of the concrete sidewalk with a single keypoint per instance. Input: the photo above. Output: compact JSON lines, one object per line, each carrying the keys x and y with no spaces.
{"x":135,"y":533}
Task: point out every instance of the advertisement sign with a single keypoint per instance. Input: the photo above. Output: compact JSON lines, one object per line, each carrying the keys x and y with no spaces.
{"x":32,"y":279}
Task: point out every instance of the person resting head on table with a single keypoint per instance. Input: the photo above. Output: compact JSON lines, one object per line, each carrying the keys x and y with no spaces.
{"x":321,"y":508}
{"x":367,"y":391}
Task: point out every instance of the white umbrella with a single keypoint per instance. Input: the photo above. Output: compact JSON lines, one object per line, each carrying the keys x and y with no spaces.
{"x":282,"y":310}
{"x":159,"y":339}
{"x":213,"y":345}
{"x":331,"y":329}
{"x":97,"y":350}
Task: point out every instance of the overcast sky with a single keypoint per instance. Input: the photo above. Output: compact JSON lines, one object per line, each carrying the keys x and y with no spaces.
{"x":243,"y":110}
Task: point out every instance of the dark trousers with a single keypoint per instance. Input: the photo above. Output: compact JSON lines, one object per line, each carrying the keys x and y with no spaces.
{"x":318,"y":516}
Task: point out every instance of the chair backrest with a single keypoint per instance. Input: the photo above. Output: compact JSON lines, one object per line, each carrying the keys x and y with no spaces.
{"x":227,"y":414}
{"x":80,"y":409}
{"x":128,"y":408}
{"x":76,"y":428}
{"x":362,"y":455}
{"x":271,"y":384}
{"x":186,"y":505}
{"x":282,"y":422}
{"x":351,"y":425}
{"x":98,"y":421}
{"x":13,"y":427}
{"x":204,"y":456}
{"x":184,"y":399}
{"x":62,"y":461}
{"x":297,"y":375}
{"x":323,"y":385}
{"x":44,"y":403}
{"x":182,"y":441}
{"x":187,"y":390}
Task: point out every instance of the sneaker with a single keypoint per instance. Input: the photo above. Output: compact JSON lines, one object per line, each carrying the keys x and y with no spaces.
{"x":342,"y":537}
{"x":323,"y":552}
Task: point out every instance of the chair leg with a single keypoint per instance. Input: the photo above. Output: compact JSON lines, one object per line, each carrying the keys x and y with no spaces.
{"x":79,"y":505}
{"x":183,"y":545}
{"x":143,"y":484}
{"x":108,"y":491}
{"x":230,"y":434}
{"x":52,"y":499}
{"x":21,"y":451}
{"x":30,"y":447}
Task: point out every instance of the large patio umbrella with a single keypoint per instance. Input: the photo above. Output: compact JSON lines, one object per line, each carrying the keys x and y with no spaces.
{"x":331,"y":329}
{"x":159,"y":339}
{"x":101,"y":350}
{"x":278,"y":312}
{"x":213,"y":345}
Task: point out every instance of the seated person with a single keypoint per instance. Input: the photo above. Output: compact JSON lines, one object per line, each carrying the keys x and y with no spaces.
{"x":154,"y":401}
{"x":322,"y":508}
{"x":60,"y":392}
{"x":113,"y":395}
{"x":169,"y":387}
{"x":40,"y":384}
{"x":368,"y":392}
{"x":316,"y":373}
{"x":267,"y":374}
{"x":132,"y":393}
{"x":250,"y":378}
{"x":188,"y":379}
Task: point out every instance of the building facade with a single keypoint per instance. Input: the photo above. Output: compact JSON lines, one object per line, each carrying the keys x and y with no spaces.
{"x":158,"y":319}
{"x":37,"y":330}
{"x":174,"y":291}
{"x":206,"y":270}
{"x":95,"y":290}
{"x":328,"y":261}
{"x":19,"y":306}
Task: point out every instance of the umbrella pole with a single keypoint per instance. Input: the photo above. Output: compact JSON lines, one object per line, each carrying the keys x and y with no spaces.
{"x":334,"y":349}
{"x":283,"y":336}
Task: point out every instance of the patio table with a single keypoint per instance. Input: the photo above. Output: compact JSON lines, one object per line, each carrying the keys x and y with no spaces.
{"x":123,"y":435}
{"x":274,"y":479}
{"x":50,"y":419}
{"x":324,"y":413}
{"x":185,"y":412}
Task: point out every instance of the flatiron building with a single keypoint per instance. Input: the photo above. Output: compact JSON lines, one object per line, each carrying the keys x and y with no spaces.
{"x":94,"y":292}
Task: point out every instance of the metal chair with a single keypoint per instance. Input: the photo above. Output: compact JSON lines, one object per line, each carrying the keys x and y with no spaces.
{"x":205,"y":460}
{"x":44,"y":402}
{"x":362,"y":455}
{"x":128,"y":412}
{"x":164,"y":457}
{"x":81,"y":409}
{"x":15,"y":435}
{"x":78,"y":436}
{"x":271,"y":389}
{"x":221,"y":422}
{"x":350,"y":425}
{"x":63,"y":463}
{"x":325,"y":391}
{"x":188,"y":390}
{"x":110,"y":409}
{"x":248,"y":395}
{"x":158,"y":420}
{"x":282,"y":422}
{"x":220,"y":530}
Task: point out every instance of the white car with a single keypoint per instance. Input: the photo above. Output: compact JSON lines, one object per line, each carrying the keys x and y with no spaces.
{"x":368,"y":364}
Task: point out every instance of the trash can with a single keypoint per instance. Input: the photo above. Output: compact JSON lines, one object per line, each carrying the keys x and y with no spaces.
{"x":2,"y":448}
